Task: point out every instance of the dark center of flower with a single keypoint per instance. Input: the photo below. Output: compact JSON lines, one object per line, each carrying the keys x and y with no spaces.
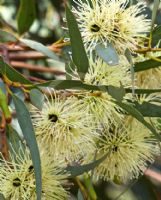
{"x":31,"y":168}
{"x":115,"y":148}
{"x":95,"y":28}
{"x":16,"y":182}
{"x":53,"y":117}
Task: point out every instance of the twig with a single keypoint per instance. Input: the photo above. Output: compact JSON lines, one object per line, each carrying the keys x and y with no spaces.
{"x":36,"y":68}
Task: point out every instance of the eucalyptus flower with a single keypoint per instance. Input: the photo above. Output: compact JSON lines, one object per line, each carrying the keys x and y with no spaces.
{"x":17,"y":180}
{"x":112,"y":21}
{"x":131,"y":149}
{"x":64,"y":126}
{"x":100,"y":104}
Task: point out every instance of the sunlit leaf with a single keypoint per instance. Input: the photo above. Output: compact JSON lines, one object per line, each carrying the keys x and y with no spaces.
{"x":40,"y":48}
{"x":25,"y":123}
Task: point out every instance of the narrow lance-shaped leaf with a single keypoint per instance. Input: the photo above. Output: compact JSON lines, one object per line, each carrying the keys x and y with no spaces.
{"x":37,"y":98}
{"x":25,"y":123}
{"x":154,"y":13}
{"x":40,"y":48}
{"x":108,"y":54}
{"x":137,"y":115}
{"x":80,"y":195}
{"x":78,"y":170}
{"x":7,"y":37}
{"x":78,"y":51}
{"x":12,"y":74}
{"x":130,"y":60}
{"x":147,"y":64}
{"x":26,"y":15}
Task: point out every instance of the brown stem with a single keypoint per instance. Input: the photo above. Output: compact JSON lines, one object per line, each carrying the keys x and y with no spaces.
{"x":36,"y":68}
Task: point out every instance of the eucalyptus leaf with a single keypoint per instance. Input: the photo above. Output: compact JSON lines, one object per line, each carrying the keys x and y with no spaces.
{"x":80,"y":195}
{"x":2,"y":197}
{"x":26,"y":15}
{"x":130,"y":60}
{"x":148,"y":109}
{"x":78,"y":51}
{"x":25,"y":123}
{"x":154,"y":13}
{"x":156,"y":35}
{"x":7,"y":37}
{"x":115,"y":92}
{"x":108,"y":54}
{"x":137,"y":115}
{"x":80,"y":169}
{"x":37,"y":98}
{"x":147,"y":64}
{"x":40,"y":48}
{"x":12,"y":74}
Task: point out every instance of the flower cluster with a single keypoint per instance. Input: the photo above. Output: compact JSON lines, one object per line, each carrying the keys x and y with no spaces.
{"x":17,"y":179}
{"x":112,"y":21}
{"x":75,"y":126}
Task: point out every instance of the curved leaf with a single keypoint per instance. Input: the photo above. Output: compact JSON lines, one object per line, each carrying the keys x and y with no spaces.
{"x":78,"y":170}
{"x":12,"y":74}
{"x":26,"y":15}
{"x":7,"y":37}
{"x":25,"y":123}
{"x":78,"y":51}
{"x":37,"y":98}
{"x":40,"y":48}
{"x":108,"y":54}
{"x":137,"y":115}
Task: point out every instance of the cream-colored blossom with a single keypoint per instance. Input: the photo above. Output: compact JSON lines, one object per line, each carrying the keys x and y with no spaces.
{"x":17,"y":180}
{"x":131,"y":148}
{"x":64,"y":126}
{"x":105,"y":21}
{"x":99,"y":103}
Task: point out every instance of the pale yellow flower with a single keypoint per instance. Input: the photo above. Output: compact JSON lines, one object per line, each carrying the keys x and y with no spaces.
{"x":100,"y":104}
{"x":131,"y":148}
{"x":111,"y":21}
{"x":64,"y":126}
{"x":17,"y":180}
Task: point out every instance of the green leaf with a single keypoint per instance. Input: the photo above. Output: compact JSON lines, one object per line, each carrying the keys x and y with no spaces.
{"x":108,"y":54}
{"x":12,"y":74}
{"x":25,"y":123}
{"x":142,"y":91}
{"x":37,"y":98}
{"x":78,"y":170}
{"x":7,"y":37}
{"x":130,"y":60}
{"x":80,"y":195}
{"x":26,"y":15}
{"x":115,"y":92}
{"x":154,"y":13}
{"x":148,"y":64}
{"x":78,"y":51}
{"x":40,"y":48}
{"x":156,"y":35}
{"x":2,"y":197}
{"x":148,"y":109}
{"x":13,"y":140}
{"x":136,"y":114}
